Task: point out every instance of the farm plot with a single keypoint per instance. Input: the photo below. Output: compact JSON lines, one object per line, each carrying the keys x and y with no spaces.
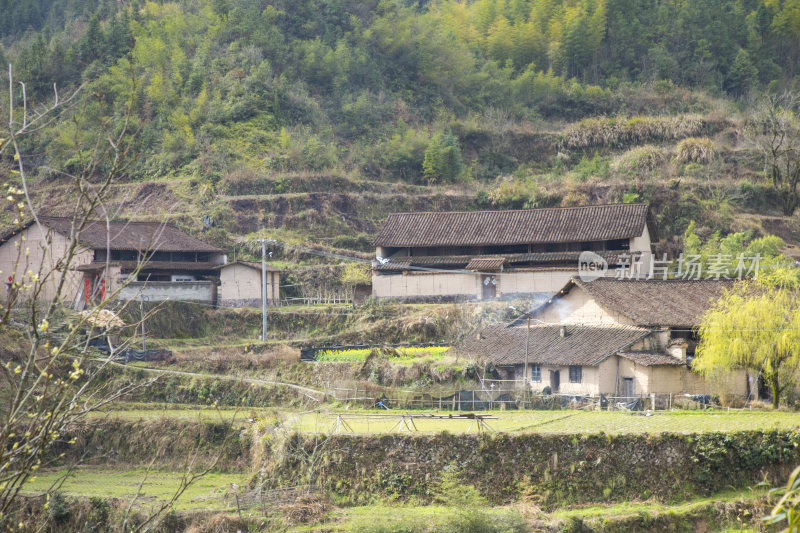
{"x":555,"y":422}
{"x":145,"y":411}
{"x":213,"y":491}
{"x":396,"y":355}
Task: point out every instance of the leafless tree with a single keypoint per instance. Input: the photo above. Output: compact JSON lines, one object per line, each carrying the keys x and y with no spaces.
{"x":774,"y":131}
{"x":50,"y":377}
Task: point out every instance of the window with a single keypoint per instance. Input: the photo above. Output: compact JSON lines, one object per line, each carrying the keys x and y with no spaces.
{"x":536,"y":373}
{"x":575,"y":373}
{"x":618,"y":244}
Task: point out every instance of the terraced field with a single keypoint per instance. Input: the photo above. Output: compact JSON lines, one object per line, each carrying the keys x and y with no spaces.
{"x":214,"y":491}
{"x":363,"y":421}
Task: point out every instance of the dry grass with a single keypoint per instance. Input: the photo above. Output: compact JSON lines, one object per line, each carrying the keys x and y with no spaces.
{"x":308,"y":508}
{"x":640,"y":159}
{"x":223,"y":359}
{"x":621,"y":132}
{"x":696,"y":150}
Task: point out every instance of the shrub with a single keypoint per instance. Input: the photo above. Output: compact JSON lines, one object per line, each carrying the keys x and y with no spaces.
{"x":640,"y":159}
{"x":621,"y":132}
{"x":696,"y":150}
{"x":442,"y":163}
{"x":596,"y":167}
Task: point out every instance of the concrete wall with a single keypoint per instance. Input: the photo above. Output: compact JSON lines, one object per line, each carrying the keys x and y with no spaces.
{"x":42,"y":261}
{"x":240,"y":286}
{"x":532,"y":282}
{"x":467,"y":285}
{"x":425,"y":284}
{"x":155,"y":291}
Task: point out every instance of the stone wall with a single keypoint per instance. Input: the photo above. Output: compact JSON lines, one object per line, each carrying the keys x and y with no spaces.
{"x":552,"y":469}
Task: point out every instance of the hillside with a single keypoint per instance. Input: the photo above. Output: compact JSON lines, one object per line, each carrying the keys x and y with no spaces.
{"x":313,"y":120}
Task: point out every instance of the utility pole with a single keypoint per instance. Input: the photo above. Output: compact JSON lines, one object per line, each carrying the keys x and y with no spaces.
{"x":264,"y":289}
{"x":527,"y":345}
{"x":141,"y":311}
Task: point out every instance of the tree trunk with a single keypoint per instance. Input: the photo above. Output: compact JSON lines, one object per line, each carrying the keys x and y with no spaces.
{"x":776,"y":391}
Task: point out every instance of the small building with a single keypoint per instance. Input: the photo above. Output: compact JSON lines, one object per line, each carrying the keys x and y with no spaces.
{"x":167,"y":263}
{"x":485,"y":255}
{"x":240,"y":284}
{"x":615,"y":337}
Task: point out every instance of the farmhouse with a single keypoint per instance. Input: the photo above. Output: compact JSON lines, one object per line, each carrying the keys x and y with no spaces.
{"x":165,"y":262}
{"x":608,"y":336}
{"x":240,"y":284}
{"x":485,"y":255}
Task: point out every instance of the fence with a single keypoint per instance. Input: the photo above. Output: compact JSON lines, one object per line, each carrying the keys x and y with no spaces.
{"x":516,"y":398}
{"x":268,"y":499}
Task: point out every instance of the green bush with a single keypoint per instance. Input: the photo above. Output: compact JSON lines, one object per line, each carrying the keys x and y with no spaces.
{"x":442,"y":163}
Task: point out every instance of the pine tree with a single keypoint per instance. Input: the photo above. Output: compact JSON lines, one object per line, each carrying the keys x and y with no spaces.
{"x":742,"y":75}
{"x":92,"y":44}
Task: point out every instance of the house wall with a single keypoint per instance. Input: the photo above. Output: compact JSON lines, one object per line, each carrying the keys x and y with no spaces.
{"x":603,"y":379}
{"x":425,"y":284}
{"x":156,"y":291}
{"x":240,"y":286}
{"x":466,"y":285}
{"x":643,"y":244}
{"x":510,"y":283}
{"x":578,"y":307}
{"x":590,"y":380}
{"x":42,"y":261}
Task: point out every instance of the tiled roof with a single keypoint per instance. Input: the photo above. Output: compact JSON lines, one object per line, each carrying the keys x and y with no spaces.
{"x":583,"y":345}
{"x":527,"y":226}
{"x":651,"y":358}
{"x":252,"y":264}
{"x":133,"y":236}
{"x":486,"y":263}
{"x":129,"y":266}
{"x":569,"y":259}
{"x":671,"y":302}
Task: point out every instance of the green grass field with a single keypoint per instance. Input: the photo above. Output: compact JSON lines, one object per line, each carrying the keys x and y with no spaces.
{"x":561,"y":421}
{"x":401,"y":517}
{"x":211,"y":492}
{"x":187,"y":412}
{"x":566,"y":421}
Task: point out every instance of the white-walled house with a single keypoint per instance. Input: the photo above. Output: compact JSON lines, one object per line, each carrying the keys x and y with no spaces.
{"x":485,"y":255}
{"x":167,"y":263}
{"x":240,"y":284}
{"x":615,"y":337}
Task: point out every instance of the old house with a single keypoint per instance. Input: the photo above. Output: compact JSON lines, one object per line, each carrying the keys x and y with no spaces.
{"x":156,"y":260}
{"x":616,"y":337}
{"x":240,"y":284}
{"x":484,"y":255}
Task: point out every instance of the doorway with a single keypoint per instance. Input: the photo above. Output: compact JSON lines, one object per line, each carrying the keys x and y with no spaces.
{"x":628,"y":388}
{"x":555,"y":380}
{"x":489,"y":287}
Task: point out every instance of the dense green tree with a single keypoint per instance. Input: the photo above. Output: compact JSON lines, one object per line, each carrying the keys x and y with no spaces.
{"x":742,"y":76}
{"x":443,"y":162}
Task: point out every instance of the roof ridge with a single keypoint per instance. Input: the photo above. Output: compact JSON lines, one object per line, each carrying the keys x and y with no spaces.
{"x":571,"y":207}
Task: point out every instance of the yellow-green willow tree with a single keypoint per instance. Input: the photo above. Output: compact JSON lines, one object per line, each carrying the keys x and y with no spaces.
{"x":755,"y":326}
